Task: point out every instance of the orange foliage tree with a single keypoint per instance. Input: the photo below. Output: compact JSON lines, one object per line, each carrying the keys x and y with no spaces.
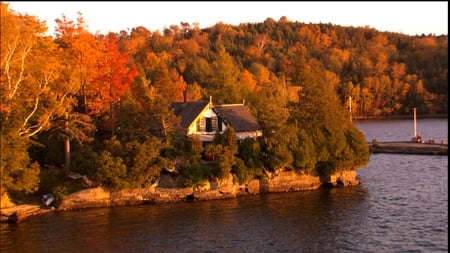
{"x":114,"y":77}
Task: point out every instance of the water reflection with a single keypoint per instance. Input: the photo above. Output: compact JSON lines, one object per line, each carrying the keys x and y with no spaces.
{"x":299,"y":221}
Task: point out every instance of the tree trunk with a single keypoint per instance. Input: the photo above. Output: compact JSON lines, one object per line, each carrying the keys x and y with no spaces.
{"x":67,"y":149}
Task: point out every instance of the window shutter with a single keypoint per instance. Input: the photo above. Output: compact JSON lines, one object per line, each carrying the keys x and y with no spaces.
{"x":219,"y":124}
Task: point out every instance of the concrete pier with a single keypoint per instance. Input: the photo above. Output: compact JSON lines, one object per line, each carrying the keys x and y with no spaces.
{"x":409,"y":147}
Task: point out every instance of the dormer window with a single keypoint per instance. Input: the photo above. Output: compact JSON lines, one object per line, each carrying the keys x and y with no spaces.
{"x":208,"y":125}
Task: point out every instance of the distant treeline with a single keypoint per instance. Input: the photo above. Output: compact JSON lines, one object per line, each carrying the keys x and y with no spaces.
{"x":385,"y":74}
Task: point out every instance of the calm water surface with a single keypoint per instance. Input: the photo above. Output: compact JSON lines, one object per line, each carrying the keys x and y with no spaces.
{"x":401,"y":206}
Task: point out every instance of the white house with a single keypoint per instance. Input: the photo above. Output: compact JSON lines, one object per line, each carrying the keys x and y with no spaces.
{"x":203,"y":119}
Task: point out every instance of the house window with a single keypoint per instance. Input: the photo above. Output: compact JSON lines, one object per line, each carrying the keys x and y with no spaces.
{"x":208,"y":125}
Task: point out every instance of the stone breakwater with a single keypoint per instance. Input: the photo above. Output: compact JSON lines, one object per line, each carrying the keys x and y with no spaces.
{"x":167,"y":190}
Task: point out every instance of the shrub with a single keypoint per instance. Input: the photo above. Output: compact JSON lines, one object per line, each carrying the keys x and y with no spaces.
{"x":243,"y":173}
{"x":112,"y":172}
{"x":195,"y":174}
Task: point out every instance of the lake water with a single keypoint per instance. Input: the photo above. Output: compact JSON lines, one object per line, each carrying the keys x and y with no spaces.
{"x":400,"y":206}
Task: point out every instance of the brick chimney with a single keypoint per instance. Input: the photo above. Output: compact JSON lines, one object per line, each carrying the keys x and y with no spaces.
{"x":186,"y":95}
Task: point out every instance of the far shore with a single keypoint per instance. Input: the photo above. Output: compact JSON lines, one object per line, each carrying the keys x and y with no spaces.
{"x":427,"y":116}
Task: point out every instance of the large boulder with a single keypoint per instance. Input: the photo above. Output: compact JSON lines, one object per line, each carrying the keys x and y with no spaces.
{"x":93,"y":197}
{"x":345,"y":178}
{"x":288,"y":181}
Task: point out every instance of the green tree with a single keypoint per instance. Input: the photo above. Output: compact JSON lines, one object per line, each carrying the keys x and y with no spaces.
{"x":131,"y":117}
{"x":338,"y":145}
{"x":224,"y":83}
{"x":225,"y":147}
{"x":111,"y":171}
{"x":18,"y":172}
{"x":249,"y":150}
{"x":146,"y":162}
{"x":193,"y":149}
{"x":305,"y":157}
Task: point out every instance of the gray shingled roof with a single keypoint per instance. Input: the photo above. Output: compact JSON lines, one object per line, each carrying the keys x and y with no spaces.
{"x":187,"y":111}
{"x":238,"y":116}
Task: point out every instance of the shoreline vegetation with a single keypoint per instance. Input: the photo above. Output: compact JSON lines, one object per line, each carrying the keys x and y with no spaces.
{"x":166,"y":191}
{"x":285,"y":181}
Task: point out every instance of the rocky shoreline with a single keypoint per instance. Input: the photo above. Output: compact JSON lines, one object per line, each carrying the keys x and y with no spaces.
{"x":167,"y":190}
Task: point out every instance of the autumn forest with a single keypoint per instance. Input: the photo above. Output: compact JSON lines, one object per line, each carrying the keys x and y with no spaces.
{"x":98,"y":104}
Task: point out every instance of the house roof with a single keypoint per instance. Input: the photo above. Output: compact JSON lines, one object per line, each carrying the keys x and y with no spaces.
{"x":188,"y":111}
{"x":238,"y":116}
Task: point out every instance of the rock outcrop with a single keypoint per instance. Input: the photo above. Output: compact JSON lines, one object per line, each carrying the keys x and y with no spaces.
{"x":170,"y":191}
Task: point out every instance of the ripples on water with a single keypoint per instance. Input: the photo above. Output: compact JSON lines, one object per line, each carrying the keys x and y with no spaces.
{"x":409,"y":202}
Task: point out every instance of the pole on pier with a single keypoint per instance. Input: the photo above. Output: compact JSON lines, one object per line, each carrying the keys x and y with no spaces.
{"x":415,"y":124}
